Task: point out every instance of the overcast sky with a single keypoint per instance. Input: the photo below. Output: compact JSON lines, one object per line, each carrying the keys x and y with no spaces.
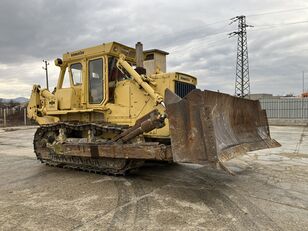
{"x":194,"y":32}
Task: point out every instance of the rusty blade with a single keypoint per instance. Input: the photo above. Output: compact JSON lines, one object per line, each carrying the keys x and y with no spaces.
{"x":208,"y":126}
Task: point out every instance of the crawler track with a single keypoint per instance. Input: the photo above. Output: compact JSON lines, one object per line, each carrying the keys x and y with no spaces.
{"x":46,"y":135}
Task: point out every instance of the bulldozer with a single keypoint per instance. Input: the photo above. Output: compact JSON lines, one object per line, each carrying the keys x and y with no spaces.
{"x":116,"y":107}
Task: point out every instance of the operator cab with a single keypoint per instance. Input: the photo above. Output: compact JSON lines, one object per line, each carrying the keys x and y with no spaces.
{"x":88,"y":77}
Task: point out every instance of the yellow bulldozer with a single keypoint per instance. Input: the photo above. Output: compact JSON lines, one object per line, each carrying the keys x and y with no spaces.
{"x":122,"y":108}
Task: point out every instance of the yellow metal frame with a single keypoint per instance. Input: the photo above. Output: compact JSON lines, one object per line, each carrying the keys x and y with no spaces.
{"x":133,"y":97}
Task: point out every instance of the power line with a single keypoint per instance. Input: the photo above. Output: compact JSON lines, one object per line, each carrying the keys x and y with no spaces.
{"x":225,"y":20}
{"x":182,"y":39}
{"x":210,"y":43}
{"x":192,"y":29}
{"x":175,"y":49}
{"x":278,"y":12}
{"x":270,"y":26}
{"x":217,"y":41}
{"x":252,"y":15}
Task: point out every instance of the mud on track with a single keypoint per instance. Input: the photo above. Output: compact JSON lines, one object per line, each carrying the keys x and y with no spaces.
{"x":269,"y":192}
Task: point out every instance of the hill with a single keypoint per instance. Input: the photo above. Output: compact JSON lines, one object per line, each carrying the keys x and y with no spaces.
{"x":14,"y":100}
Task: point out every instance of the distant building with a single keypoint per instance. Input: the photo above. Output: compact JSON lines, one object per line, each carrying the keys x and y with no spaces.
{"x":305,"y":95}
{"x":263,"y":96}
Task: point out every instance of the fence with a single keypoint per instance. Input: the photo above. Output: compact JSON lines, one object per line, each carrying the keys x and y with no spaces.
{"x":14,"y":117}
{"x":281,"y":108}
{"x":288,"y":108}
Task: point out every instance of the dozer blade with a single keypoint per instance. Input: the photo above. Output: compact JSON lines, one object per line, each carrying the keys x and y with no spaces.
{"x":211,"y":127}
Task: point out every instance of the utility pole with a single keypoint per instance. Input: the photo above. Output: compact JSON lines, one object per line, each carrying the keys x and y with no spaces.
{"x":303,"y":82}
{"x":242,"y":84}
{"x":46,"y":70}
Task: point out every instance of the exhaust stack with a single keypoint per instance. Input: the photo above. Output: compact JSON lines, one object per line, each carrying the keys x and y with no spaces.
{"x":139,"y":59}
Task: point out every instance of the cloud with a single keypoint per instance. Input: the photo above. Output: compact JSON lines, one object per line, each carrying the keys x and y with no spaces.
{"x":195,"y":34}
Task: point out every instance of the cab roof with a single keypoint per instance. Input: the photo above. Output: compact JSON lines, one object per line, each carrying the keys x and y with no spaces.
{"x":111,"y":48}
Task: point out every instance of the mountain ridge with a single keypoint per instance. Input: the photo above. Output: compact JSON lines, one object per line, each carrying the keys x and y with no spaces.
{"x":14,"y":100}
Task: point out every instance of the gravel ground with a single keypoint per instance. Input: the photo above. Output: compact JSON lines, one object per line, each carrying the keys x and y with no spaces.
{"x":269,"y":191}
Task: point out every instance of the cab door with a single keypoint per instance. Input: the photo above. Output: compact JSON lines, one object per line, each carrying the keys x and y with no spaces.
{"x":70,"y":87}
{"x":96,"y":82}
{"x":76,"y":73}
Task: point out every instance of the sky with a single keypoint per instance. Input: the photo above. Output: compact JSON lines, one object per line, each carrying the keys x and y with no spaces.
{"x":194,"y":32}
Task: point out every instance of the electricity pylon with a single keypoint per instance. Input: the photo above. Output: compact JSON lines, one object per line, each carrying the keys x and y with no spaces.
{"x":242,"y":84}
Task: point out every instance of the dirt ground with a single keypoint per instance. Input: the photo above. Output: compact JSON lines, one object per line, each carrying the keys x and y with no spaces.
{"x":269,"y":192}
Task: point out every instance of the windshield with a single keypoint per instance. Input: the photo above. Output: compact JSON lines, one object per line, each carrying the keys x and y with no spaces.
{"x":76,"y":70}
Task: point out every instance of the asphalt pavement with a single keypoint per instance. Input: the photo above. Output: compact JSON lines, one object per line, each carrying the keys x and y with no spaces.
{"x":268,"y":192}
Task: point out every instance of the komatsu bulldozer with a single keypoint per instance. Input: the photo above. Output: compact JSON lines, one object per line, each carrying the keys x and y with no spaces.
{"x":122,"y":108}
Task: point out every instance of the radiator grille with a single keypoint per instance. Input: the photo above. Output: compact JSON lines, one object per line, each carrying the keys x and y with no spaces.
{"x":182,"y":89}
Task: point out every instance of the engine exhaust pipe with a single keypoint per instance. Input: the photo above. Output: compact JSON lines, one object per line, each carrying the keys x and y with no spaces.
{"x":139,"y":59}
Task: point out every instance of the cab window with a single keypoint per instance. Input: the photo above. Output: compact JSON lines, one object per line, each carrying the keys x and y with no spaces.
{"x":95,"y":80}
{"x":114,"y":73}
{"x":76,"y":71}
{"x":66,"y":79}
